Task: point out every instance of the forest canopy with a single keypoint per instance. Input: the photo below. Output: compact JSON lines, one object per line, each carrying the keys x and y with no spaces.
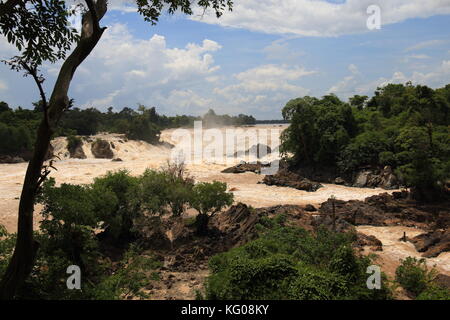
{"x":402,"y":126}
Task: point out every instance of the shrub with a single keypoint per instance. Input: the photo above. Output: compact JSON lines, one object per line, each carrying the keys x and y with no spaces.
{"x":292,"y":263}
{"x":209,"y":198}
{"x":434,"y":292}
{"x":413,"y":275}
{"x":118,"y":221}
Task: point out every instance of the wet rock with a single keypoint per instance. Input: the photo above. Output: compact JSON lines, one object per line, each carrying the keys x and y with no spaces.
{"x":76,"y":150}
{"x":339,"y":180}
{"x":245,"y":167}
{"x":364,"y":240}
{"x":101,"y":149}
{"x":432,"y":243}
{"x":373,"y":178}
{"x":285,"y":178}
{"x":361,"y":179}
{"x":116,"y":160}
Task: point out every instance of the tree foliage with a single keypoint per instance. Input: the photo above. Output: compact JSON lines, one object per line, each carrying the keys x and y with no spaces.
{"x":404,"y":126}
{"x":292,"y":263}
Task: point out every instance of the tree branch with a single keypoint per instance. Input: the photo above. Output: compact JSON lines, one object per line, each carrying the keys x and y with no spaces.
{"x":33,"y":72}
{"x":8,"y":6}
{"x":93,"y":12}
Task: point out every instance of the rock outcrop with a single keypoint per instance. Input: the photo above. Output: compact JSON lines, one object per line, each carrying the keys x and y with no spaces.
{"x":101,"y":149}
{"x":383,"y":210}
{"x":373,"y":178}
{"x":246,"y":167}
{"x":432,"y":243}
{"x":285,"y":178}
{"x":76,"y":150}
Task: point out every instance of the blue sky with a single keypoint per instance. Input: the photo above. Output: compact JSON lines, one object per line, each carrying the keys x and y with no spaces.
{"x":254,"y":59}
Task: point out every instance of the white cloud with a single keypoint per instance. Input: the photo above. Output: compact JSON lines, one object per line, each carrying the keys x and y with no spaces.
{"x":319,"y":17}
{"x":347,"y":86}
{"x":264,"y":88}
{"x":425,"y":45}
{"x":437,"y":77}
{"x":145,"y":71}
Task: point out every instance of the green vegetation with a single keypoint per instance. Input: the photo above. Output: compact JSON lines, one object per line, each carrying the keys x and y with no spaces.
{"x":18,"y":127}
{"x":208,"y":199}
{"x":292,"y":263}
{"x":81,"y":223}
{"x":404,"y":126}
{"x":415,"y":277}
{"x":211,"y":119}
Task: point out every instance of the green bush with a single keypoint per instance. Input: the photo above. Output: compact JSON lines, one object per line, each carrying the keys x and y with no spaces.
{"x":414,"y":276}
{"x":434,"y":292}
{"x":118,"y":221}
{"x":209,"y":198}
{"x":291,"y":263}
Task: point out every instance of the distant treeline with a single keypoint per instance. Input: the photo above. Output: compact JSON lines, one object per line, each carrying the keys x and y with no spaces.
{"x":272,"y":121}
{"x":18,"y":126}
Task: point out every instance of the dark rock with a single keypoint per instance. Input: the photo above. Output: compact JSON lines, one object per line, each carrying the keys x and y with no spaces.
{"x":76,"y":150}
{"x":116,"y":160}
{"x":364,"y":240}
{"x":310,"y":208}
{"x":245,"y":167}
{"x":285,"y":178}
{"x":432,"y":243}
{"x":339,"y":180}
{"x":101,"y":149}
{"x":373,"y":178}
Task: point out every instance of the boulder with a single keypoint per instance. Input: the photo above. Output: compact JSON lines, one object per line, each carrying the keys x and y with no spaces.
{"x":116,"y":160}
{"x":101,"y":149}
{"x":76,"y":150}
{"x":285,"y":178}
{"x":362,"y":179}
{"x":78,"y":153}
{"x":432,"y":243}
{"x":245,"y":167}
{"x":310,"y":208}
{"x":373,"y":178}
{"x":339,"y":180}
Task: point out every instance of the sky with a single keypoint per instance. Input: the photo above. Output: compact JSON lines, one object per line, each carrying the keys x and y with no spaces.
{"x":254,"y":59}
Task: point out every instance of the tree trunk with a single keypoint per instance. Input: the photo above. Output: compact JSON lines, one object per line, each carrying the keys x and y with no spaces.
{"x":201,"y":224}
{"x":22,"y":261}
{"x":26,"y":248}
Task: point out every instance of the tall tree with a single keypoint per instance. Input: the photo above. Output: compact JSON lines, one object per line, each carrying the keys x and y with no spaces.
{"x":35,"y":48}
